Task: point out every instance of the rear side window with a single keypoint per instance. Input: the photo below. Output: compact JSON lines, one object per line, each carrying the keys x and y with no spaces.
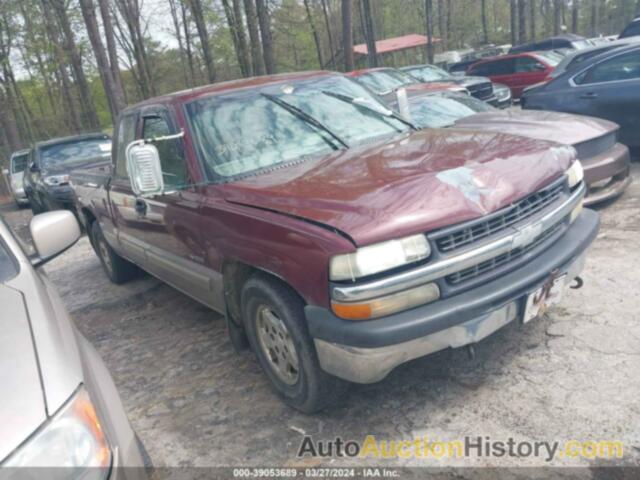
{"x":19,"y":163}
{"x":528,"y":65}
{"x":622,"y":67}
{"x":499,"y":67}
{"x":126,"y":134}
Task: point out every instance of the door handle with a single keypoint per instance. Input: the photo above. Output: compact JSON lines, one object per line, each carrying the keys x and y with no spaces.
{"x":140,"y":207}
{"x":589,"y":95}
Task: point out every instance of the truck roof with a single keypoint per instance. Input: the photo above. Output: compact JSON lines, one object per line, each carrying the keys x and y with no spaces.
{"x":224,"y":87}
{"x":71,"y":138}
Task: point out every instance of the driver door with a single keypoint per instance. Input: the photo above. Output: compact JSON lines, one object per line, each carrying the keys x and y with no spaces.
{"x":172,"y":232}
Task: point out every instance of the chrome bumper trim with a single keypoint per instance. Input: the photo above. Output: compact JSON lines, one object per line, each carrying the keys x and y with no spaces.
{"x":520,"y":237}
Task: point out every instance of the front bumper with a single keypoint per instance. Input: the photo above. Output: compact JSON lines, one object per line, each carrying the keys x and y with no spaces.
{"x":607,"y":175}
{"x":366,"y":351}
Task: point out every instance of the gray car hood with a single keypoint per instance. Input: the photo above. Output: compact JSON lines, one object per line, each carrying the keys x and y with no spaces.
{"x":563,"y":128}
{"x":22,"y":406}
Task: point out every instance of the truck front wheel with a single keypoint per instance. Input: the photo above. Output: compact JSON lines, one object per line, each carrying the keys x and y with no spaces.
{"x":117,"y":268}
{"x":274,"y":320}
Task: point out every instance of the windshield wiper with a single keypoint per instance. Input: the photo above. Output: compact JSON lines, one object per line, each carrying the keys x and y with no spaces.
{"x":371,"y":107}
{"x":305,"y":117}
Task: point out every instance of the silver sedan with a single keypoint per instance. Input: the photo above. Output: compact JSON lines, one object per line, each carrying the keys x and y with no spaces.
{"x":59,"y":406}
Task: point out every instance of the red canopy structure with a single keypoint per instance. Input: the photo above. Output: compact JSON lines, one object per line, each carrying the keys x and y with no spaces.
{"x":396,"y":44}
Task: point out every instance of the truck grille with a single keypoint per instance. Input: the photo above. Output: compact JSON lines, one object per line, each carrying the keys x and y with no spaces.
{"x":497,"y":262}
{"x":481,"y":90}
{"x":475,"y":230}
{"x":596,"y":146}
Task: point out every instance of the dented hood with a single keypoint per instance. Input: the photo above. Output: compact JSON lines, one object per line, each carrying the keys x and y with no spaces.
{"x":416,"y":183}
{"x":556,"y":127}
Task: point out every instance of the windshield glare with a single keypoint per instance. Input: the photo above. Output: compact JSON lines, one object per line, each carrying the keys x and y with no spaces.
{"x":245,"y":132}
{"x":550,"y":57}
{"x":436,"y":111}
{"x":74,"y":152}
{"x":386,"y":81}
{"x":19,"y":163}
{"x":430,"y":74}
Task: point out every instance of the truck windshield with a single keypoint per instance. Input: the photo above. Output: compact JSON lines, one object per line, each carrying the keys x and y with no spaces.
{"x":438,"y":111}
{"x":430,"y":74}
{"x":79,"y":151}
{"x":19,"y":162}
{"x":244,"y":132}
{"x":383,"y":82}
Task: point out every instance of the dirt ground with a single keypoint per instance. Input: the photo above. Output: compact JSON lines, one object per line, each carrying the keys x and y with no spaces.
{"x":572,"y":375}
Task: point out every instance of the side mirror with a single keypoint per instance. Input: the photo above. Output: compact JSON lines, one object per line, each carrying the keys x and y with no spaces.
{"x":5,"y":172}
{"x":34,"y":168}
{"x":145,"y":171}
{"x":53,"y":233}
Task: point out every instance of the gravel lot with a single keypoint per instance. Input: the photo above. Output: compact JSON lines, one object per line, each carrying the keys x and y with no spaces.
{"x":195,"y":402}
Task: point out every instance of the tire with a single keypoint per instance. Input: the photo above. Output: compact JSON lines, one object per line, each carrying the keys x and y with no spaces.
{"x":117,"y":268}
{"x":307,"y":388}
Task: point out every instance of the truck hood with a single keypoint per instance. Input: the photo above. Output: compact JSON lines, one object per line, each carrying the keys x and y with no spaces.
{"x":556,"y":127}
{"x":22,"y":407}
{"x":414,"y":183}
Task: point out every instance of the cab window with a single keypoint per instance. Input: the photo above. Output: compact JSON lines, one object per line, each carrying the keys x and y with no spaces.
{"x":528,"y":65}
{"x":126,"y":134}
{"x":499,"y":67}
{"x":622,"y":67}
{"x":171,"y":152}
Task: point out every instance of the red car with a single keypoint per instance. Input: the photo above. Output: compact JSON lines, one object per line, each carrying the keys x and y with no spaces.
{"x":517,"y":71}
{"x":335,"y":238}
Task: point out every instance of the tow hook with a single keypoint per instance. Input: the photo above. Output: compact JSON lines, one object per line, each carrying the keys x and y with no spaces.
{"x":578,"y":283}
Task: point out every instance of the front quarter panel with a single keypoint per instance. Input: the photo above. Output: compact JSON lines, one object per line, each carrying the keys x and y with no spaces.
{"x":292,"y":249}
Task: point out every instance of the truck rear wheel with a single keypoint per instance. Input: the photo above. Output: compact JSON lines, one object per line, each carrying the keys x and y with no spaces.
{"x":117,"y":268}
{"x":274,"y":320}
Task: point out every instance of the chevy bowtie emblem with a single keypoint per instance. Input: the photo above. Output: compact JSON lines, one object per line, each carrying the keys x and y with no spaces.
{"x":526,"y":235}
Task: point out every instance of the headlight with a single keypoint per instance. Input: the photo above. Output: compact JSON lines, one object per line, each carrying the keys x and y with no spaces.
{"x":56,"y":180}
{"x":72,"y":438}
{"x":379,"y":258}
{"x":575,"y":174}
{"x":502,"y":93}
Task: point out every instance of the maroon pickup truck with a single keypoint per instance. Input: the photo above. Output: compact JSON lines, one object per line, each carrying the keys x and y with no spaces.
{"x":333,"y":236}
